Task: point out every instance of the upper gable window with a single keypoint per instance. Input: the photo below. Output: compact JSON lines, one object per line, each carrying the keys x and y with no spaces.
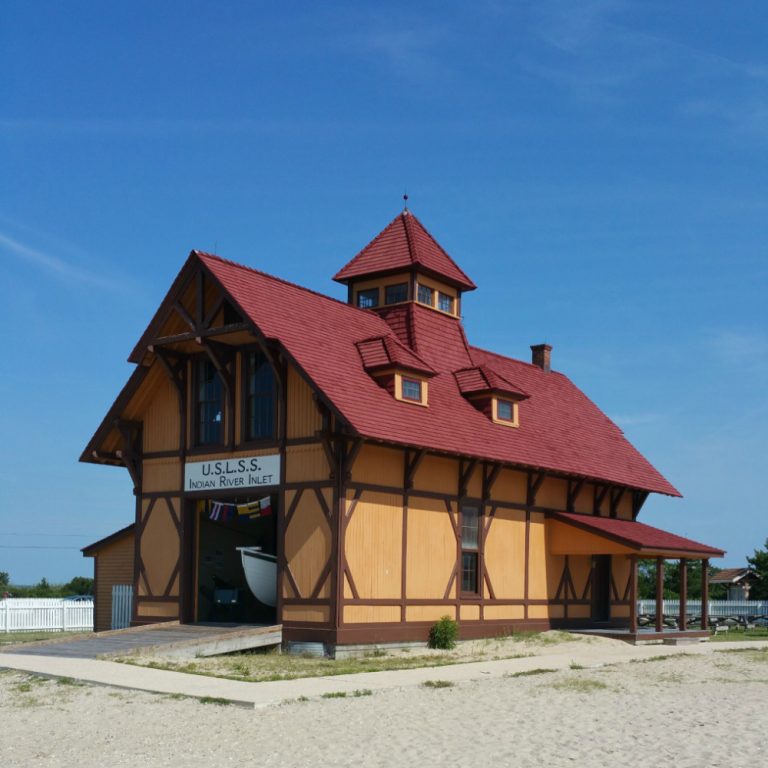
{"x":425,"y":295}
{"x":394,"y":294}
{"x":260,"y":400}
{"x":445,"y":302}
{"x":368,"y":299}
{"x":209,"y":404}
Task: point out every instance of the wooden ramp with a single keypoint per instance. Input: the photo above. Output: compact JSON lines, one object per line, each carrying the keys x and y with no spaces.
{"x":167,"y":639}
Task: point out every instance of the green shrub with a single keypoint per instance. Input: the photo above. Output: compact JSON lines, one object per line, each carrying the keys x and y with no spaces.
{"x":443,"y":634}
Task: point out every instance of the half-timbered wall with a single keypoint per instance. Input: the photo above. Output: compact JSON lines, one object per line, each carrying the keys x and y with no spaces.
{"x":402,"y":547}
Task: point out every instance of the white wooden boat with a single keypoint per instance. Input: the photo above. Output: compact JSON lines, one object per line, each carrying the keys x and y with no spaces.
{"x":260,"y":573}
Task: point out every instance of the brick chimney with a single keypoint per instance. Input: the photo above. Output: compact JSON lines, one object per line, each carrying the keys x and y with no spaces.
{"x":541,"y":356}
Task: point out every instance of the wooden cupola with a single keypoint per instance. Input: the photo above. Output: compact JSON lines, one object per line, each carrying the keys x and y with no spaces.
{"x":405,"y":264}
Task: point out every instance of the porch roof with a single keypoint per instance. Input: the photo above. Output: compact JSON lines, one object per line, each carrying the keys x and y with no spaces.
{"x":576,"y":534}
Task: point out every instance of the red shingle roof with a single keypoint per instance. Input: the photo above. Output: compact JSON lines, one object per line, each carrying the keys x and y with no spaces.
{"x":733,"y":575}
{"x":404,"y":244}
{"x":387,"y":351}
{"x":560,"y":428}
{"x":481,"y":378}
{"x":639,"y":536}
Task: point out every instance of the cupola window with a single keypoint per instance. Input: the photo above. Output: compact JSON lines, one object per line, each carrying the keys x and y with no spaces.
{"x":445,"y":302}
{"x":425,"y":295}
{"x":368,"y":299}
{"x":394,"y":294}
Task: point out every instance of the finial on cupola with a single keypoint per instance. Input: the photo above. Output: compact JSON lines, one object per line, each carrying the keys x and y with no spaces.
{"x":405,"y":202}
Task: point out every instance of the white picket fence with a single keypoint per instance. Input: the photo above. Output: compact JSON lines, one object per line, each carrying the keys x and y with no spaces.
{"x":43,"y":614}
{"x":717,"y":608}
{"x":122,"y":603}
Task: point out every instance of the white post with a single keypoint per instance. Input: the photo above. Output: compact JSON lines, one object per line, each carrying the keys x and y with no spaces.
{"x":63,"y":616}
{"x":5,"y":605}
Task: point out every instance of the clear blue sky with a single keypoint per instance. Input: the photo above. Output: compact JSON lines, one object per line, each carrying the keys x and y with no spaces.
{"x":598,"y":168}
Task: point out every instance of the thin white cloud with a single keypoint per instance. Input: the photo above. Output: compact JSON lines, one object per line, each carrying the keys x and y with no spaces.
{"x":635,"y":419}
{"x":55,"y":266}
{"x":741,"y":347}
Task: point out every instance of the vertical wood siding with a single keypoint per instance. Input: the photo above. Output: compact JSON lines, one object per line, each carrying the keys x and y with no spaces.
{"x":114,"y":565}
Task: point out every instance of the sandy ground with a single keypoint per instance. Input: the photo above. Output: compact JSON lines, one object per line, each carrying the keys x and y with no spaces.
{"x":683,"y":711}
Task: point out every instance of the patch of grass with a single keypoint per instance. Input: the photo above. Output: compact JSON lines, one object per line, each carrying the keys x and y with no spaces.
{"x":529,"y":672}
{"x":580,"y":685}
{"x":574,"y":665}
{"x":176,"y":696}
{"x":362,"y":692}
{"x":303,"y":698}
{"x":69,"y":681}
{"x":13,"y":638}
{"x":214,"y":700}
{"x":759,"y":655}
{"x":739,"y":635}
{"x":540,"y":638}
{"x":335,"y":695}
{"x":438,"y":684}
{"x":29,"y":683}
{"x":662,"y":657}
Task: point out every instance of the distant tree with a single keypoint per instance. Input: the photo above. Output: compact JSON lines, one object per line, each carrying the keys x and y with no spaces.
{"x":5,"y":580}
{"x":672,"y":581}
{"x":646,"y":580}
{"x":43,"y":589}
{"x":80,"y":585}
{"x":759,"y":563}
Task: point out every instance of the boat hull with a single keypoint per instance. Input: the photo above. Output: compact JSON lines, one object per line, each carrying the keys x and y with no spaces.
{"x":261,"y":574}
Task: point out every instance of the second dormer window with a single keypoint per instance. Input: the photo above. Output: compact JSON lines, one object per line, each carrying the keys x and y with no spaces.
{"x":445,"y":302}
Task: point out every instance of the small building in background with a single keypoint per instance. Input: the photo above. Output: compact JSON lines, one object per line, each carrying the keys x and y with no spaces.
{"x":113,"y":564}
{"x":738,"y":582}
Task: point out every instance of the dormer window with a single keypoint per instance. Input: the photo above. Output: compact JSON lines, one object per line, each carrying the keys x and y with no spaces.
{"x":396,"y":368}
{"x":505,"y":412}
{"x":411,"y":389}
{"x":425,"y":295}
{"x":491,"y":394}
{"x":368,"y":299}
{"x":394,"y":294}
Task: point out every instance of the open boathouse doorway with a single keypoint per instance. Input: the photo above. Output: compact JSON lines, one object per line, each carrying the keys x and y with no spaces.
{"x":235,"y":559}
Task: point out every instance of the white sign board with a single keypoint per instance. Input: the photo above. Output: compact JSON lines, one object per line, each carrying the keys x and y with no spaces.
{"x":231,"y":474}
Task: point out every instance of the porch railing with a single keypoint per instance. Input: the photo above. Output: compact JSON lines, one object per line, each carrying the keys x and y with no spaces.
{"x":717,"y":608}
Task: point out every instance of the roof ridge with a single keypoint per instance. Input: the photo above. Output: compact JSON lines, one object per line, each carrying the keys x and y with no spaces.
{"x":509,"y":359}
{"x":442,"y":250}
{"x":405,"y":217}
{"x":282,"y":280}
{"x":391,"y":337}
{"x":368,"y":246}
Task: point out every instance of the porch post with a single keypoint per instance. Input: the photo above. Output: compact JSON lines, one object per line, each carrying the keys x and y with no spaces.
{"x":682,"y":622}
{"x":705,"y":594}
{"x":633,"y":594}
{"x":659,"y":594}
